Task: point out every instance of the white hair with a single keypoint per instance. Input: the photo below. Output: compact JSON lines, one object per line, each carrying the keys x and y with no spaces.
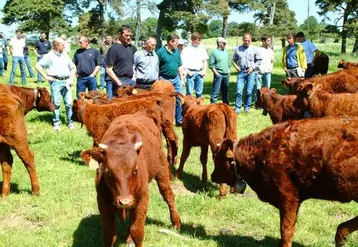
{"x":58,"y":40}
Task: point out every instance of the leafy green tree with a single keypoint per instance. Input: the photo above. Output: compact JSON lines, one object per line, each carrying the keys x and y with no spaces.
{"x":311,"y":28}
{"x":214,"y":29}
{"x":238,"y":29}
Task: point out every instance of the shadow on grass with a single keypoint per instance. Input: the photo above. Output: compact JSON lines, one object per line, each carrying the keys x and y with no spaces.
{"x":14,"y":188}
{"x":44,"y":117}
{"x":194,"y":184}
{"x":74,"y":157}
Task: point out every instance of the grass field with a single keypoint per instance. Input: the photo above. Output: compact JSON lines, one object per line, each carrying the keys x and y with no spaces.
{"x":66,"y":214}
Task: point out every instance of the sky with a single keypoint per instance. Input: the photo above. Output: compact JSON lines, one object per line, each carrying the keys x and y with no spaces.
{"x":300,"y":8}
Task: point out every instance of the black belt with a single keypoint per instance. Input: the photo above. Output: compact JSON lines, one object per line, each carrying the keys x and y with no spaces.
{"x":59,"y":77}
{"x":223,"y":73}
{"x":195,"y":70}
{"x":168,"y":77}
{"x":293,"y":68}
{"x":144,"y":81}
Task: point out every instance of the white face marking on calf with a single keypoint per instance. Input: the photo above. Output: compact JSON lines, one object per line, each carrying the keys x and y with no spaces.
{"x":103,"y":146}
{"x":93,"y":164}
{"x":137,"y":145}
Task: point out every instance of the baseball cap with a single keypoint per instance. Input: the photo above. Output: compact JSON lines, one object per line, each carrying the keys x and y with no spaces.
{"x":181,"y":42}
{"x":221,"y":39}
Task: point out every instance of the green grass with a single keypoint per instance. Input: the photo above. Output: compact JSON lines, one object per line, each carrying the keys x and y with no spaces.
{"x":66,"y":214}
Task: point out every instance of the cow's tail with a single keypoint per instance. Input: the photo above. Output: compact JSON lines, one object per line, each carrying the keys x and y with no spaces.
{"x":230,"y":120}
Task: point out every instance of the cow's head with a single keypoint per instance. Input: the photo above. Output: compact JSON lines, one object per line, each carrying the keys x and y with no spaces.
{"x":43,"y":100}
{"x":118,"y":166}
{"x":263,"y":98}
{"x":342,"y":64}
{"x":77,"y":109}
{"x":225,"y":170}
{"x":126,"y":91}
{"x":307,"y":89}
{"x":188,"y":101}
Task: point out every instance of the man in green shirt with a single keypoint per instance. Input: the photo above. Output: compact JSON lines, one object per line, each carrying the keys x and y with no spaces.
{"x":219,"y":63}
{"x":170,"y":69}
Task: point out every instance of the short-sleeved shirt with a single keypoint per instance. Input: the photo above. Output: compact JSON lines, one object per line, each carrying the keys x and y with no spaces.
{"x":219,"y":59}
{"x":146,"y":65}
{"x":103,"y":49}
{"x":43,"y":46}
{"x":309,"y":48}
{"x":169,"y":62}
{"x":121,"y":58}
{"x":57,"y":64}
{"x":193,"y":57}
{"x":267,"y":56}
{"x":86,"y":61}
{"x":18,"y":47}
{"x":246,"y":57}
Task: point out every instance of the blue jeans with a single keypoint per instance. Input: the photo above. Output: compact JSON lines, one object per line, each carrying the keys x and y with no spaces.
{"x":58,"y":89}
{"x":113,"y":87}
{"x":243,"y":78}
{"x":102,"y":76}
{"x":1,"y":66}
{"x":179,"y":89}
{"x":89,"y":82}
{"x":196,"y":82}
{"x":221,"y":82}
{"x":261,"y":80}
{"x":15,"y":61}
{"x":39,"y":78}
{"x":28,"y":65}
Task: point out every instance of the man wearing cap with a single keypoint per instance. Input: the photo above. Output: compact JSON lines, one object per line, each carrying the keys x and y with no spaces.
{"x":219,"y":63}
{"x":195,"y":63}
{"x":17,"y":45}
{"x":245,"y":61}
{"x":146,"y":64}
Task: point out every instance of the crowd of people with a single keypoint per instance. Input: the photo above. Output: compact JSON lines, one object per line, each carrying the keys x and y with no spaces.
{"x":185,"y":65}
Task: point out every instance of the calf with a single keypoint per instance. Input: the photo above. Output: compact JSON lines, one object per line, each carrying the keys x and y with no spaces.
{"x":160,"y":86}
{"x":129,"y":157}
{"x":291,"y":162}
{"x":38,"y":98}
{"x":324,"y":104}
{"x":347,"y":65}
{"x":321,"y":64}
{"x":204,"y":126}
{"x":13,"y":134}
{"x":98,"y":117}
{"x":281,"y":108}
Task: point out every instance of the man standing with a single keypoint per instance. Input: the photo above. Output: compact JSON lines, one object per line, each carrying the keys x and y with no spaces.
{"x":27,"y":58}
{"x":219,"y":63}
{"x":42,"y":47}
{"x":195,"y":63}
{"x":67,"y":48}
{"x":88,"y":62}
{"x":170,"y":69}
{"x":120,"y":61}
{"x":17,"y":45}
{"x":263,"y":75}
{"x":310,"y":51}
{"x":2,"y":50}
{"x":293,"y":58}
{"x":146,"y":64}
{"x":60,"y":73}
{"x":103,"y":49}
{"x":246,"y":61}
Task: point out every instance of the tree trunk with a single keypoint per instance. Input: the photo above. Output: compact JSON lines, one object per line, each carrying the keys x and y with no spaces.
{"x":160,"y":29}
{"x":355,"y":46}
{"x":283,"y":42}
{"x":138,"y":22}
{"x":272,"y":16}
{"x":101,"y":21}
{"x":225,"y":26}
{"x":344,"y":31}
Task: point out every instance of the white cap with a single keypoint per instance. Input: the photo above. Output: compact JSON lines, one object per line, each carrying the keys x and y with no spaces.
{"x":220,"y":39}
{"x":181,"y":42}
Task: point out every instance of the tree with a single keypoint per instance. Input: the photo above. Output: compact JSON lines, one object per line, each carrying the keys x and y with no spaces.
{"x":311,"y":28}
{"x":346,"y":12}
{"x":214,"y":29}
{"x":34,"y":15}
{"x":239,"y":29}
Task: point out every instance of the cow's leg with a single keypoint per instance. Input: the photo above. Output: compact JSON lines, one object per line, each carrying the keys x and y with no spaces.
{"x":344,"y":229}
{"x":288,"y":218}
{"x":204,"y":161}
{"x":26,"y":155}
{"x":184,"y":155}
{"x":168,"y":196}
{"x":137,"y":217}
{"x":222,"y":191}
{"x":6,"y":161}
{"x":108,"y":213}
{"x":172,"y":142}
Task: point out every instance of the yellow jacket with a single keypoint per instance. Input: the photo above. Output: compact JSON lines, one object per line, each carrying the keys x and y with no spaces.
{"x":302,"y":62}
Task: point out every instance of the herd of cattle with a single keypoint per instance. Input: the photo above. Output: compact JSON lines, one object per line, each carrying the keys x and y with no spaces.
{"x":284,"y":164}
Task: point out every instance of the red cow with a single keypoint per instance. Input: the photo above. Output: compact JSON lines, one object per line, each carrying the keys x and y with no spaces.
{"x":13,"y":134}
{"x":129,"y":157}
{"x":321,"y":64}
{"x":38,"y":98}
{"x":291,"y":162}
{"x":204,"y":126}
{"x":347,"y":65}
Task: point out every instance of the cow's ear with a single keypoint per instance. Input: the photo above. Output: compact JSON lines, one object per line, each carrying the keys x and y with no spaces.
{"x":181,"y":98}
{"x":39,"y":92}
{"x":93,"y":157}
{"x":137,"y":142}
{"x":273,"y":90}
{"x":90,"y":101}
{"x":227,"y":147}
{"x":82,"y":95}
{"x":105,"y":95}
{"x":199,"y":100}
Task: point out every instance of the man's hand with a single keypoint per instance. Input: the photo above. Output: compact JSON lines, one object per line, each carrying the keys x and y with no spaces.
{"x":202,"y":73}
{"x":49,"y":78}
{"x":119,"y":83}
{"x":249,"y":70}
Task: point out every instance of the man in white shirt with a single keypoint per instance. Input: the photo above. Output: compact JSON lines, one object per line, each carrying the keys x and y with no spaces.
{"x":263,"y":75}
{"x":17,"y":45}
{"x":195,"y":62}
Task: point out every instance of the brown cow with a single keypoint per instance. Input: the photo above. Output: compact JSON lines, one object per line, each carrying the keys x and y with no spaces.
{"x":281,"y":108}
{"x":13,"y":134}
{"x":160,"y":86}
{"x":342,"y":81}
{"x":129,"y":157}
{"x":204,"y":126}
{"x":38,"y":98}
{"x":323,"y":104}
{"x":320,"y":64}
{"x":347,"y":65}
{"x":98,"y":117}
{"x":291,"y":162}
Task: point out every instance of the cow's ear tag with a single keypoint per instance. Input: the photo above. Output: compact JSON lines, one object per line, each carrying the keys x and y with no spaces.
{"x":93,"y":164}
{"x":229,"y":154}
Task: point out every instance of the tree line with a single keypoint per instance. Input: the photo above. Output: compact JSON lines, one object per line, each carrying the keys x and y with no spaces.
{"x":210,"y":17}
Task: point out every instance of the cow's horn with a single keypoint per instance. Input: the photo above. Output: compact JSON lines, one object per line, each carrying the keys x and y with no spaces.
{"x":103,"y":146}
{"x":137,"y":145}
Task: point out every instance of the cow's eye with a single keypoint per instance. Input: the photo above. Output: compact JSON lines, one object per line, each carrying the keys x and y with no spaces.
{"x":135,"y":172}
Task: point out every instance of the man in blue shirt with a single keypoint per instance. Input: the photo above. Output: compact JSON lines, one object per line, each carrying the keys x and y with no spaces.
{"x":42,"y":47}
{"x":310,"y":52}
{"x":88,"y":62}
{"x":246,"y":61}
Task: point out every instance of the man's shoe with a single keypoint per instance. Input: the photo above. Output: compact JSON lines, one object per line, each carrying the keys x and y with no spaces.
{"x":57,"y":126}
{"x":71,"y":126}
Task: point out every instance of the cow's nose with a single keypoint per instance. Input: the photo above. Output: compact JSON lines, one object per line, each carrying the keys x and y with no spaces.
{"x":125,"y":200}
